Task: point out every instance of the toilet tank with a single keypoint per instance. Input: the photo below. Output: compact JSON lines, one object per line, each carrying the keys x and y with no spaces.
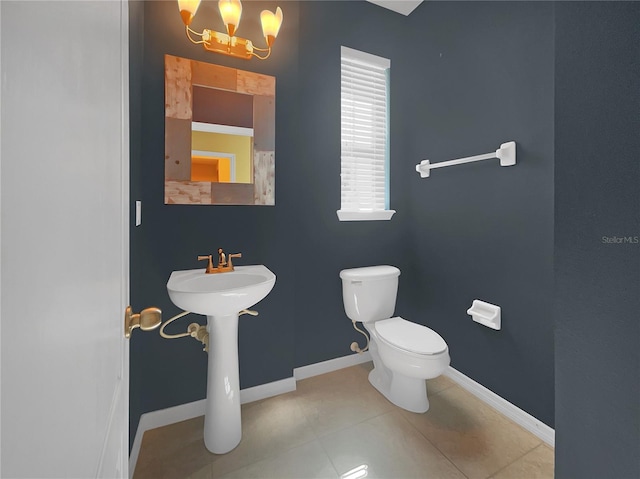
{"x":369,"y":293}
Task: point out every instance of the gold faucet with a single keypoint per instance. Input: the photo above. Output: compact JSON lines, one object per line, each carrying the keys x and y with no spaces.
{"x":224,"y":266}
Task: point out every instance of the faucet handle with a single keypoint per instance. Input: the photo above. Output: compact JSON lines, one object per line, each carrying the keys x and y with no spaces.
{"x":231,"y":256}
{"x":210,"y":265}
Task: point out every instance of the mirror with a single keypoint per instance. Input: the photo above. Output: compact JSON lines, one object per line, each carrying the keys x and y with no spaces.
{"x":219,"y":135}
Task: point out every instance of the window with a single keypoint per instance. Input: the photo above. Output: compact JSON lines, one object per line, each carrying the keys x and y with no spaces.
{"x":364,"y":172}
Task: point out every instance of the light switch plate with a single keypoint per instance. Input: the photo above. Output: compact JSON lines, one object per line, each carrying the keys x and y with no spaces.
{"x":138,"y":213}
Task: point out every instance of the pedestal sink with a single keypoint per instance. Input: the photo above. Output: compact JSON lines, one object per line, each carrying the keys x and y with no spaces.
{"x":221,"y":297}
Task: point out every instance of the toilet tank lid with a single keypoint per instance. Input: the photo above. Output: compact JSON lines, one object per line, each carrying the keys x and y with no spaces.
{"x":410,"y":336}
{"x":370,"y":273}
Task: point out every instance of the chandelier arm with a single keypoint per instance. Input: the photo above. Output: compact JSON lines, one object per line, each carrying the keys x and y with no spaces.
{"x":197,"y":42}
{"x":264,"y":57}
{"x":261,"y":49}
{"x":189,"y":29}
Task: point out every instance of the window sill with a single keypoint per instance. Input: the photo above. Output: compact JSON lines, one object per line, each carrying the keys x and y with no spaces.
{"x":381,"y":215}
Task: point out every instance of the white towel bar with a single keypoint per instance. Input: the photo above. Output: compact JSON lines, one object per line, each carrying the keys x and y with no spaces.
{"x":506,"y":153}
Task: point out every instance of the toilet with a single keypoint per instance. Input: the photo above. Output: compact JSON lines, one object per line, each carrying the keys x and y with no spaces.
{"x":404,"y":354}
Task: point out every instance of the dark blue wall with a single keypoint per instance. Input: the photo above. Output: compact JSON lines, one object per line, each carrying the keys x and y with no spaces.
{"x":482,"y":76}
{"x":166,"y":373}
{"x":465,"y":77}
{"x":597,"y":184}
{"x":474,"y":231}
{"x":323,"y":331}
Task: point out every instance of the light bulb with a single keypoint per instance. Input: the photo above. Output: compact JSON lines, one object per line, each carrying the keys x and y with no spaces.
{"x":230,"y":11}
{"x":188,"y":9}
{"x":271,"y":23}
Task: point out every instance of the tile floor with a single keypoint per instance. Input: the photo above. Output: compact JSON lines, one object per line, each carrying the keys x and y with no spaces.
{"x":334,"y":423}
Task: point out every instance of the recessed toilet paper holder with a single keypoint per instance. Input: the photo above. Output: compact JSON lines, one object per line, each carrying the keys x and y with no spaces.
{"x":485,"y":313}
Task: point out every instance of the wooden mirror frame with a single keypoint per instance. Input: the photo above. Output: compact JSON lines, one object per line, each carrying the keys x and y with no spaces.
{"x":181,"y":75}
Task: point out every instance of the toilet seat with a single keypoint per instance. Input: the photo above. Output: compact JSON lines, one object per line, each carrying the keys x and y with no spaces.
{"x":409,"y":336}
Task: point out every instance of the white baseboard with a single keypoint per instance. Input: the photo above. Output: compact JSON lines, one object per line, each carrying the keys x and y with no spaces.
{"x":183,"y":412}
{"x":324,"y":367}
{"x":267,"y":390}
{"x":517,"y":415}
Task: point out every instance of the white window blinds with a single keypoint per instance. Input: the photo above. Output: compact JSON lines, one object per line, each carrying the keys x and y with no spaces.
{"x":364,"y":136}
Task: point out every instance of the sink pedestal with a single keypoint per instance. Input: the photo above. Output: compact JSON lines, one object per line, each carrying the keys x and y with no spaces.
{"x":220,"y":297}
{"x":222,"y":423}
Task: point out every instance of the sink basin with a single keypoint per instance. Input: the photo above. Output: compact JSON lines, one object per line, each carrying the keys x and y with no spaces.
{"x":220,"y":294}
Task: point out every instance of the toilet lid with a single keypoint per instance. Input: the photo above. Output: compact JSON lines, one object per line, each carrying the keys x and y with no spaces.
{"x":410,"y":336}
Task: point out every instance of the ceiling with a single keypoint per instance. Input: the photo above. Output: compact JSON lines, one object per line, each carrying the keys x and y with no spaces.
{"x":404,"y":7}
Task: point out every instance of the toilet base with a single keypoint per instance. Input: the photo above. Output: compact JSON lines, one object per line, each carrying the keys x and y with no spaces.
{"x":403,"y":391}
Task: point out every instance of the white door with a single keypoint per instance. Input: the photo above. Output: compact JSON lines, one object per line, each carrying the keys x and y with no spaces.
{"x":64,"y":171}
